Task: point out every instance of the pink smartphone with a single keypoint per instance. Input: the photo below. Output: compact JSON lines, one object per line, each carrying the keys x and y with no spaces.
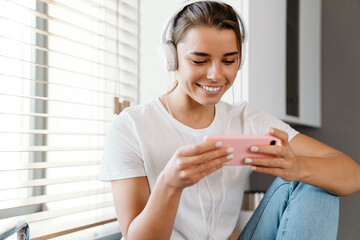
{"x":242,"y":144}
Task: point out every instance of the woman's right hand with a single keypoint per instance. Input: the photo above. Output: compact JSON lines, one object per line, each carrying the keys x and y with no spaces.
{"x":191,"y":163}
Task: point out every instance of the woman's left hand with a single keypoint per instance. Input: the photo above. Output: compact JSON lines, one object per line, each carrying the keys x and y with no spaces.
{"x":284,"y":164}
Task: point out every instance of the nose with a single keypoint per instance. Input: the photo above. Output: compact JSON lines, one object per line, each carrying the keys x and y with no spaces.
{"x":215,"y":72}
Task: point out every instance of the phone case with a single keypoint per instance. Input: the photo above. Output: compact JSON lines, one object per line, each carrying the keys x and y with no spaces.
{"x":242,"y":144}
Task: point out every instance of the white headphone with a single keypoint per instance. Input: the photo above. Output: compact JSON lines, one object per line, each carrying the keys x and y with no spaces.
{"x":170,"y":48}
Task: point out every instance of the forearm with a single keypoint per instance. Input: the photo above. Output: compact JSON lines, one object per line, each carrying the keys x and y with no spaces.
{"x":156,"y":221}
{"x":337,"y":173}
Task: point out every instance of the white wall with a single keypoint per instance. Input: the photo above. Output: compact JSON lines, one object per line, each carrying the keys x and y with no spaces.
{"x":154,"y":78}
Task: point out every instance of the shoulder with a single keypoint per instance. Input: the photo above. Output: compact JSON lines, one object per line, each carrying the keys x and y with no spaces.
{"x":136,"y":113}
{"x":139,"y":110}
{"x":253,"y":119}
{"x":129,"y":120}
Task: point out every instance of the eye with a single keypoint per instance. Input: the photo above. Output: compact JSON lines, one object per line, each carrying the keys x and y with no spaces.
{"x":198,"y":62}
{"x":229,"y":62}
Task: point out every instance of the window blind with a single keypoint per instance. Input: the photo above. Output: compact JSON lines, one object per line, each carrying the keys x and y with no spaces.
{"x":66,"y":69}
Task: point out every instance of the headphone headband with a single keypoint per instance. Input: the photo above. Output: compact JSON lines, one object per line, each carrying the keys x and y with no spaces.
{"x":170,"y":48}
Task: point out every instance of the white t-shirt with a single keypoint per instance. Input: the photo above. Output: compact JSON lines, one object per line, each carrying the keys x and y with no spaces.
{"x":143,"y":138}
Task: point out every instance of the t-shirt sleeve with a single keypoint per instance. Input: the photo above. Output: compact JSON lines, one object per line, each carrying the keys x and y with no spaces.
{"x":257,"y":122}
{"x":122,"y":156}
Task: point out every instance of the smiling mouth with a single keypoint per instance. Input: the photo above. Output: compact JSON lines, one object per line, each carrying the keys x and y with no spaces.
{"x":209,"y":89}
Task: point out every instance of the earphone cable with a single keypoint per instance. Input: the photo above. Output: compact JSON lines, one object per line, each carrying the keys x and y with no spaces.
{"x":202,"y":209}
{"x":214,"y":222}
{"x":209,"y":232}
{"x":212,"y":207}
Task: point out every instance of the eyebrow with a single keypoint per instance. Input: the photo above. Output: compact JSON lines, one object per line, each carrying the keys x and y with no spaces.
{"x":206,"y":54}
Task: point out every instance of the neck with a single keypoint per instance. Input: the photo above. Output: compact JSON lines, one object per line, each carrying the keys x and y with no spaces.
{"x":187,"y":111}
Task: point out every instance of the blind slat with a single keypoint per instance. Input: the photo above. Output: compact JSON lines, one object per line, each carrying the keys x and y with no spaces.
{"x":124,"y":84}
{"x":45,"y":165}
{"x":63,"y":212}
{"x":56,"y":100}
{"x":55,"y":230}
{"x":46,"y":181}
{"x":63,"y":69}
{"x":46,"y":132}
{"x":47,"y":149}
{"x":44,"y":115}
{"x":50,"y":198}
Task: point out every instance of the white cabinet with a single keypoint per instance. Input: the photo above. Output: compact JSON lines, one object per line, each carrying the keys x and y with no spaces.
{"x":264,"y":76}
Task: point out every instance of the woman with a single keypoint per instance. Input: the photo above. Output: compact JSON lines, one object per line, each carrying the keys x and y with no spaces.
{"x":169,"y":183}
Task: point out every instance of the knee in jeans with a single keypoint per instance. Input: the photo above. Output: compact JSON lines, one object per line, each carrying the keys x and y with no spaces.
{"x":317,"y":195}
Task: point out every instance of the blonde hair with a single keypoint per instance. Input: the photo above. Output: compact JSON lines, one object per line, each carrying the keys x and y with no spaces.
{"x":205,"y":13}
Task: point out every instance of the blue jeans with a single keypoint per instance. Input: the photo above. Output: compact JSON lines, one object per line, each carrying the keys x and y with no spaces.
{"x":294,"y":211}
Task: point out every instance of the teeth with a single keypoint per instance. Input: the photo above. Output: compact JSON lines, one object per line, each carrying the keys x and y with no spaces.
{"x":211,"y":89}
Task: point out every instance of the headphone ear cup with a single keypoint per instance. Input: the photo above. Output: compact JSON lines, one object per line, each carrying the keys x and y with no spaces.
{"x":171,"y":56}
{"x":243,"y":55}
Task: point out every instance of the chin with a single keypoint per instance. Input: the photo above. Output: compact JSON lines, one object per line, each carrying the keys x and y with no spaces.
{"x":209,"y":102}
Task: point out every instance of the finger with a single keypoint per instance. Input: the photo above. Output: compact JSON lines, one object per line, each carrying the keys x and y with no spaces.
{"x":193,"y":175}
{"x":204,"y":170}
{"x":218,"y":156}
{"x":196,"y":149}
{"x":283,"y":136}
{"x":213,"y":163}
{"x":201,"y":175}
{"x":268,"y":149}
{"x":211,"y":155}
{"x":266,"y":162}
{"x":209,"y":171}
{"x":272,"y":171}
